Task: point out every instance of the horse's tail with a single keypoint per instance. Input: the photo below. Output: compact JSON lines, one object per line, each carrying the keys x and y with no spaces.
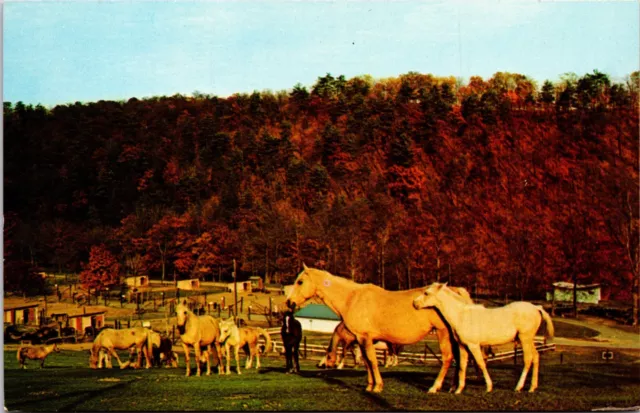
{"x":19,"y":354}
{"x":267,"y":337}
{"x":547,"y":320}
{"x":149,"y":344}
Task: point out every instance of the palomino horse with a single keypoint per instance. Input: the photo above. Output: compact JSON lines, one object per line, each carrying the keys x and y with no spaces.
{"x":111,"y":340}
{"x":291,"y":333}
{"x":242,"y":337}
{"x":475,"y":325}
{"x":35,"y":353}
{"x":373,"y":313}
{"x":198,"y":331}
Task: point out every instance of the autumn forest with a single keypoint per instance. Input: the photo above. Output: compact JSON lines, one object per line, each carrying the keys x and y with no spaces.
{"x":501,"y":185}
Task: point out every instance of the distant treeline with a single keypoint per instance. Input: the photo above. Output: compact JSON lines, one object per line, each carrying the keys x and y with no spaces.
{"x":500,"y":184}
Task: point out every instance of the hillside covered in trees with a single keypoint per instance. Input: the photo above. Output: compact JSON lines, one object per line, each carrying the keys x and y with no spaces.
{"x":499,"y":185}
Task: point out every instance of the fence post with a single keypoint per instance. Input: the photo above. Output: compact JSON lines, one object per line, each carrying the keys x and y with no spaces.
{"x":249,"y":313}
{"x":219,"y":310}
{"x":129,"y":322}
{"x":305,"y":347}
{"x":242,"y":305}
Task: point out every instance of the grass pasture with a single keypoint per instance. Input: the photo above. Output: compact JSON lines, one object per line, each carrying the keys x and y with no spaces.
{"x":67,"y":384}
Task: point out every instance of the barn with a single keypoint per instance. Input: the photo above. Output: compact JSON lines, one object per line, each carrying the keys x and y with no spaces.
{"x":563,"y":291}
{"x":317,"y":317}
{"x":24,"y":314}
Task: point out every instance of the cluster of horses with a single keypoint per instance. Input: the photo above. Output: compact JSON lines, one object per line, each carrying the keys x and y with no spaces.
{"x":371,"y":314}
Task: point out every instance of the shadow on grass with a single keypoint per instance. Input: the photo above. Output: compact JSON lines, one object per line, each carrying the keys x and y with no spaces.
{"x":88,"y":395}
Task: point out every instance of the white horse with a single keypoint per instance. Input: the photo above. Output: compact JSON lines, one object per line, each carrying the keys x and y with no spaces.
{"x":474,"y":325}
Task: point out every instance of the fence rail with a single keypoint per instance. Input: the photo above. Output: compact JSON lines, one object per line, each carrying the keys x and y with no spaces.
{"x":410,"y":357}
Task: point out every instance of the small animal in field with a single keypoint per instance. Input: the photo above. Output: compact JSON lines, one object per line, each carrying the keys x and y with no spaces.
{"x":35,"y":353}
{"x":197,"y":331}
{"x":341,"y":337}
{"x":242,"y":337}
{"x":291,"y":333}
{"x":474,"y":325}
{"x":110,"y":340}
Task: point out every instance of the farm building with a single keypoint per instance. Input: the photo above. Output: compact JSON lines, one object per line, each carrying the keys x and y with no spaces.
{"x":137,"y":281}
{"x":563,"y":291}
{"x":256,"y":283}
{"x":243,"y":287}
{"x":82,"y":321}
{"x":24,"y":314}
{"x":191,"y":284}
{"x":317,"y":317}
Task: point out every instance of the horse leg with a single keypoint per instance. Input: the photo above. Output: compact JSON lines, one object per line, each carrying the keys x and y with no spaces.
{"x":288,"y":355}
{"x":375,"y":383}
{"x":257,"y":351}
{"x":219,"y":355}
{"x":198,"y":352}
{"x":527,"y":351}
{"x":447,"y":354}
{"x":209,"y":360}
{"x":249,"y":361}
{"x":462,"y":369}
{"x":536,"y":365}
{"x":296,"y":356}
{"x":476,"y":352}
{"x":187,"y":361}
{"x":343,"y":357}
{"x":112,"y":352}
{"x":147,"y":356}
{"x":236,"y":351}
{"x":227,"y":351}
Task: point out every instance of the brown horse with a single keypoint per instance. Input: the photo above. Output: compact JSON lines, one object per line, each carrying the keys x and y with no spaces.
{"x":198,"y":331}
{"x":373,"y":313}
{"x":242,"y":337}
{"x":110,"y":340}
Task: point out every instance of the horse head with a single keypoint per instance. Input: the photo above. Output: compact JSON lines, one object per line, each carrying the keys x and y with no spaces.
{"x":430,"y":296}
{"x":304,"y":287}
{"x":226,"y":329}
{"x":182,"y":314}
{"x":94,"y":358}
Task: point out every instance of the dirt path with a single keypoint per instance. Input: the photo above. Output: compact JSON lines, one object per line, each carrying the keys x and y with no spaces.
{"x":609,"y":337}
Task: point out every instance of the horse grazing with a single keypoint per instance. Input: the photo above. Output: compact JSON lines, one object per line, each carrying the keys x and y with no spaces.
{"x":291,"y":333}
{"x":242,"y":337}
{"x":198,"y":331}
{"x":474,"y":325}
{"x":35,"y":353}
{"x":345,"y":338}
{"x":162,"y":351}
{"x":372,"y":313}
{"x":110,"y":340}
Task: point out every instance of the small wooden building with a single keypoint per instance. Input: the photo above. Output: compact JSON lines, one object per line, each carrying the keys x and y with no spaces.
{"x":256,"y":283}
{"x":137,"y":281}
{"x":243,"y":287}
{"x":563,"y":292}
{"x":317,"y":317}
{"x":191,"y":284}
{"x":23,"y":314}
{"x":82,"y":321}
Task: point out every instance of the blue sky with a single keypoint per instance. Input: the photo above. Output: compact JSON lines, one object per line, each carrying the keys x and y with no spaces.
{"x":62,"y":52}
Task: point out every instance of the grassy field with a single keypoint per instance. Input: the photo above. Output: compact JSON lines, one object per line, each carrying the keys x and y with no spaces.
{"x":67,"y":384}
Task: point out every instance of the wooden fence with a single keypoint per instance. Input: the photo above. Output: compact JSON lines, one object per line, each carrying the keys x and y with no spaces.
{"x":428,"y":356}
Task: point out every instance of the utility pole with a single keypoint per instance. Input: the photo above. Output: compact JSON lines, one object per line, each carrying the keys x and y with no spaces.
{"x":235,"y":289}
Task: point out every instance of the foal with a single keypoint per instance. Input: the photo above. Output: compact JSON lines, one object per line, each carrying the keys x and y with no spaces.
{"x":35,"y":353}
